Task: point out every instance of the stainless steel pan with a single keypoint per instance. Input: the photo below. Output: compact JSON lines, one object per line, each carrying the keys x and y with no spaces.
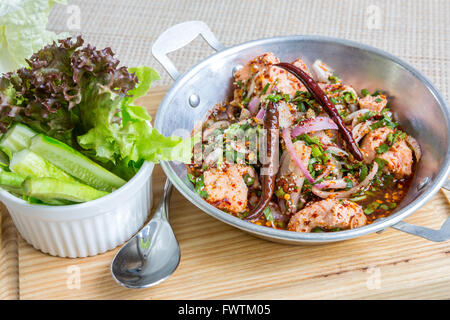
{"x":417,"y":104}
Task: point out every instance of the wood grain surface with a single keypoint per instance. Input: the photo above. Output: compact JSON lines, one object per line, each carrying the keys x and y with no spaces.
{"x":9,"y":268}
{"x":221,"y":262}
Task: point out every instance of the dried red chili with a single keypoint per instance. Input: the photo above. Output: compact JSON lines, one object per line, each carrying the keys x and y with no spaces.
{"x":271,"y":127}
{"x":325,"y":102}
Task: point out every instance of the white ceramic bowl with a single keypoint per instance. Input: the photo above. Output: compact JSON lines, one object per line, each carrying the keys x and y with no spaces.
{"x":89,"y":228}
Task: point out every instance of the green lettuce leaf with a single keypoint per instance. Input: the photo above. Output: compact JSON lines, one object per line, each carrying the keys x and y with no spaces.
{"x":23,"y":30}
{"x":120,"y":131}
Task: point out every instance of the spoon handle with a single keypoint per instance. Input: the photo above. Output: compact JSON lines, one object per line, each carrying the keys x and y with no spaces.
{"x":162,"y":211}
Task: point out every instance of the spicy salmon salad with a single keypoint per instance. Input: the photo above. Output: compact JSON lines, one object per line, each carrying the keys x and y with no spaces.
{"x":296,"y":148}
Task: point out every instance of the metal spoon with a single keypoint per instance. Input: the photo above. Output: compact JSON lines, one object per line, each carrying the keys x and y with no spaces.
{"x":153,"y":254}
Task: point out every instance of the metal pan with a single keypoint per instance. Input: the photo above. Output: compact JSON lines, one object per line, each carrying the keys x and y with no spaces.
{"x":417,"y":105}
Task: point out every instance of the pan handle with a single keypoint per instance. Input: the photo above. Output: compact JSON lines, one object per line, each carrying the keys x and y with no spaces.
{"x":443,"y":234}
{"x":177,"y":37}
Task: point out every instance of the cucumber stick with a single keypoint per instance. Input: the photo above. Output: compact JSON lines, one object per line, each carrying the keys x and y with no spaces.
{"x":75,"y":163}
{"x":52,"y":202}
{"x":29,"y":164}
{"x":17,"y":138}
{"x":53,"y":189}
{"x":11,"y":181}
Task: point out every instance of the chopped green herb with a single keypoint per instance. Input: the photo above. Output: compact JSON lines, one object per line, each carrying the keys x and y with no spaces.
{"x":382,"y":149}
{"x":310,"y":140}
{"x":343,"y":113}
{"x":384,"y":207}
{"x":265,"y":88}
{"x":349,"y":183}
{"x":246,"y":100}
{"x":274,"y":97}
{"x":371,"y":207}
{"x":392,"y":205}
{"x":301,"y":107}
{"x":376,"y":93}
{"x":249,"y":180}
{"x":191,"y":177}
{"x":381,"y":163}
{"x":365,"y":92}
{"x":392,"y":138}
{"x":315,"y":151}
{"x":359,"y":198}
{"x":334,"y":79}
{"x":268,"y":214}
{"x":349,"y":96}
{"x":388,"y":179}
{"x":386,"y":121}
{"x":378,"y":100}
{"x":302,"y":93}
{"x":200,"y":187}
{"x":366,"y":116}
{"x":317,"y":229}
{"x":325,"y":157}
{"x":363,"y":172}
{"x":334,"y":101}
{"x":280,"y":193}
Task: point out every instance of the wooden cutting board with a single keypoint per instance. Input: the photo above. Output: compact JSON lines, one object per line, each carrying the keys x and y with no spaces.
{"x":221,"y":262}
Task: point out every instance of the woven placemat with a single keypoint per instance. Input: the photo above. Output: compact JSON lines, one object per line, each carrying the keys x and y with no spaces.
{"x":416,"y":31}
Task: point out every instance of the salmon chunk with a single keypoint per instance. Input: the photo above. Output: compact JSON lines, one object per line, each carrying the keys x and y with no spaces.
{"x":373,"y":140}
{"x":283,"y":80}
{"x":399,"y":158}
{"x":328,"y":214}
{"x":260,"y":75}
{"x":299,"y":63}
{"x":226,"y":187}
{"x":258,"y":64}
{"x":321,"y":71}
{"x":375,"y":104}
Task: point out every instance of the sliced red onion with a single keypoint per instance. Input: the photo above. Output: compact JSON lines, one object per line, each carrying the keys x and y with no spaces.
{"x":348,"y":193}
{"x":276,"y":213}
{"x":337,"y":151}
{"x":213,"y":127}
{"x":315,"y":124}
{"x":361,"y":129}
{"x":332,"y":184}
{"x":261,"y":113}
{"x":253,"y":105}
{"x":282,"y":205}
{"x":290,"y":148}
{"x":213,"y":157}
{"x":355,"y":114}
{"x":414,"y":146}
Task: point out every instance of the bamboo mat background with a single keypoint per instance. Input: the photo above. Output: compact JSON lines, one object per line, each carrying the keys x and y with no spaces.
{"x":416,"y":31}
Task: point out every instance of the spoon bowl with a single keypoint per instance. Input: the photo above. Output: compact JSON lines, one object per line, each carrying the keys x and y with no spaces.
{"x":152,"y":255}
